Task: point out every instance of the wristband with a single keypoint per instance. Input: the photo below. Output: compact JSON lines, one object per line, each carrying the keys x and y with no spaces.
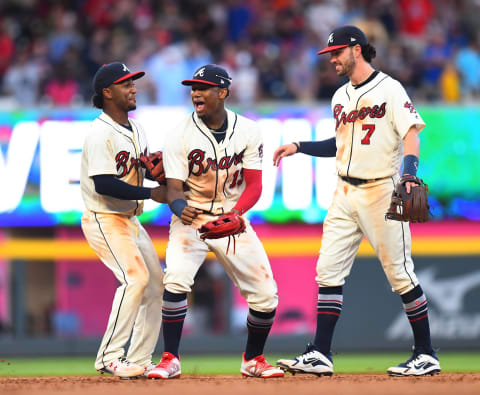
{"x":177,"y":206}
{"x":297,"y":145}
{"x":410,"y":165}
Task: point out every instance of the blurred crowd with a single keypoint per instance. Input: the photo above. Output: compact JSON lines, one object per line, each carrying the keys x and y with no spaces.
{"x":50,"y":49}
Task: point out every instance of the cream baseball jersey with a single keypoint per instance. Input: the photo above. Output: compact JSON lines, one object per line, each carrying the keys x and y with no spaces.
{"x":371,"y":121}
{"x":213,"y":171}
{"x":110,"y":148}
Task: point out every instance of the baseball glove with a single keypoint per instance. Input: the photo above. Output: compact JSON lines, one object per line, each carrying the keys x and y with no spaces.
{"x":228,"y":224}
{"x":154,"y":165}
{"x":411,"y":206}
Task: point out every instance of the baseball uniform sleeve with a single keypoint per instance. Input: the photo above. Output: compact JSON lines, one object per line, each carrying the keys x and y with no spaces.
{"x":100,"y":154}
{"x":404,"y":115}
{"x":175,"y":162}
{"x":253,"y":155}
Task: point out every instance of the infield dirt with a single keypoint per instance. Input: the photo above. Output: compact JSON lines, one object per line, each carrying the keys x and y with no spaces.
{"x":358,"y":384}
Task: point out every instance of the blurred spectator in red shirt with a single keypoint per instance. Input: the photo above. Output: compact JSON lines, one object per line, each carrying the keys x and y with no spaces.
{"x":62,"y":90}
{"x":6,"y":49}
{"x":415,"y":16}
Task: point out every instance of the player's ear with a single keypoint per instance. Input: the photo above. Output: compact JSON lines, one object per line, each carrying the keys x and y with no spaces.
{"x":107,"y":93}
{"x":357,"y":50}
{"x":222,"y":93}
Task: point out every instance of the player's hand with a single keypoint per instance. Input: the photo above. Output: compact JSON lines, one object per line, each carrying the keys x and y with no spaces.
{"x":159,"y":194}
{"x":409,"y":185}
{"x":282,"y":152}
{"x":189,"y":214}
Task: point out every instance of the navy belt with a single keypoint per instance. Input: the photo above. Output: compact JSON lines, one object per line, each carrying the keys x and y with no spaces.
{"x":357,"y":181}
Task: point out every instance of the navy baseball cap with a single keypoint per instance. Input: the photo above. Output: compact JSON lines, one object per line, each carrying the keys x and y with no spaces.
{"x":113,"y":73}
{"x":210,"y":74}
{"x":342,"y":37}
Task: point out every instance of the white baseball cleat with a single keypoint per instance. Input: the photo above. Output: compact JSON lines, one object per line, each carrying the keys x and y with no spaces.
{"x":150,"y":366}
{"x":417,"y":365}
{"x":168,"y":368}
{"x":123,"y":368}
{"x":311,"y":361}
{"x":259,"y":367}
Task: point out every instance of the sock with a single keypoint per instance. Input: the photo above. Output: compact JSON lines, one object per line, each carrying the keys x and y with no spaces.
{"x":258,"y":325}
{"x":416,"y":307}
{"x":174,"y":311}
{"x":329,"y":307}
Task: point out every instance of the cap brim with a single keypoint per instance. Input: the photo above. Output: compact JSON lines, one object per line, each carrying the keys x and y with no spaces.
{"x":133,"y":76}
{"x":191,"y":82}
{"x":332,"y":48}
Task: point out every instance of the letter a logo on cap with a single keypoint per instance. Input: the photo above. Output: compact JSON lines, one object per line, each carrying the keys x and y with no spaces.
{"x":125,"y":68}
{"x":200,"y":72}
{"x":330,"y":38}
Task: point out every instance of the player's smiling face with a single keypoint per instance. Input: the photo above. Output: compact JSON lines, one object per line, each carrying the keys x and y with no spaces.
{"x":123,"y":95}
{"x":343,"y":60}
{"x":207,"y":99}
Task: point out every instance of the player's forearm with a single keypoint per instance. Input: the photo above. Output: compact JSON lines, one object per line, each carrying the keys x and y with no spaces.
{"x":252,"y":192}
{"x":411,"y":142}
{"x":175,"y":196}
{"x":325,"y":148}
{"x":411,"y":151}
{"x":174,"y":193}
{"x":109,"y":185}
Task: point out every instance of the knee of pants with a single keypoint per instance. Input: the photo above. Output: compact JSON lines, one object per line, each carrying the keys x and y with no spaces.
{"x":177,"y":283}
{"x":154,"y":289}
{"x":138,"y":281}
{"x":263,"y":302}
{"x":326,"y":277}
{"x":400,"y":281}
{"x":404,"y":288}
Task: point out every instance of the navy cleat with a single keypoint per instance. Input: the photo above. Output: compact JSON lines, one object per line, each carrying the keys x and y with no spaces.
{"x":417,"y":365}
{"x":311,"y":361}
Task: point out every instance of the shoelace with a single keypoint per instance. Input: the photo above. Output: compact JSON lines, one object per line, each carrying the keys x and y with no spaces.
{"x":125,"y":361}
{"x":262,"y":363}
{"x":165,"y":361}
{"x":412,"y":359}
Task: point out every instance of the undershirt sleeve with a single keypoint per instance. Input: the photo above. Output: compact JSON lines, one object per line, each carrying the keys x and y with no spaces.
{"x":324,"y":148}
{"x":108,"y":184}
{"x":252,"y":191}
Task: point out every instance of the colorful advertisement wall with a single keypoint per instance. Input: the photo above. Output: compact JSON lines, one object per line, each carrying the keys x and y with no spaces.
{"x":40,"y":163}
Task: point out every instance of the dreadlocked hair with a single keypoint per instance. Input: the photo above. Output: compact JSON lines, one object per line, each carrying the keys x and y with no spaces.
{"x":97,"y":100}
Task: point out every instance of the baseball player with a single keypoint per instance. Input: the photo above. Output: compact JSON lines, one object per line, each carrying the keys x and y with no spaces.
{"x":111,"y":183}
{"x":376,"y":126}
{"x":218,"y":154}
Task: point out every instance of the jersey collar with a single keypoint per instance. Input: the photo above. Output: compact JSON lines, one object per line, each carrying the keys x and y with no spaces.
{"x":206,"y":129}
{"x":371,"y":77}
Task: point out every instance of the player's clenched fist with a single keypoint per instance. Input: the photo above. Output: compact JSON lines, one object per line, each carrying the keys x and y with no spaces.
{"x":189,"y":214}
{"x":283,"y":151}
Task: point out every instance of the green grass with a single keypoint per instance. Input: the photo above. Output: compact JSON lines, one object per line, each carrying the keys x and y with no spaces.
{"x":214,"y":364}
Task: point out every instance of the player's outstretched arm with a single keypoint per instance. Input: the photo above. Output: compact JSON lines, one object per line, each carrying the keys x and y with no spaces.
{"x":159,"y":194}
{"x":283,"y":151}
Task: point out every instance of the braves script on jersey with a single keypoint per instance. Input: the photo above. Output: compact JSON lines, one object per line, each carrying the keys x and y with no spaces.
{"x":371,"y":122}
{"x":112,"y":149}
{"x":213,"y":171}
